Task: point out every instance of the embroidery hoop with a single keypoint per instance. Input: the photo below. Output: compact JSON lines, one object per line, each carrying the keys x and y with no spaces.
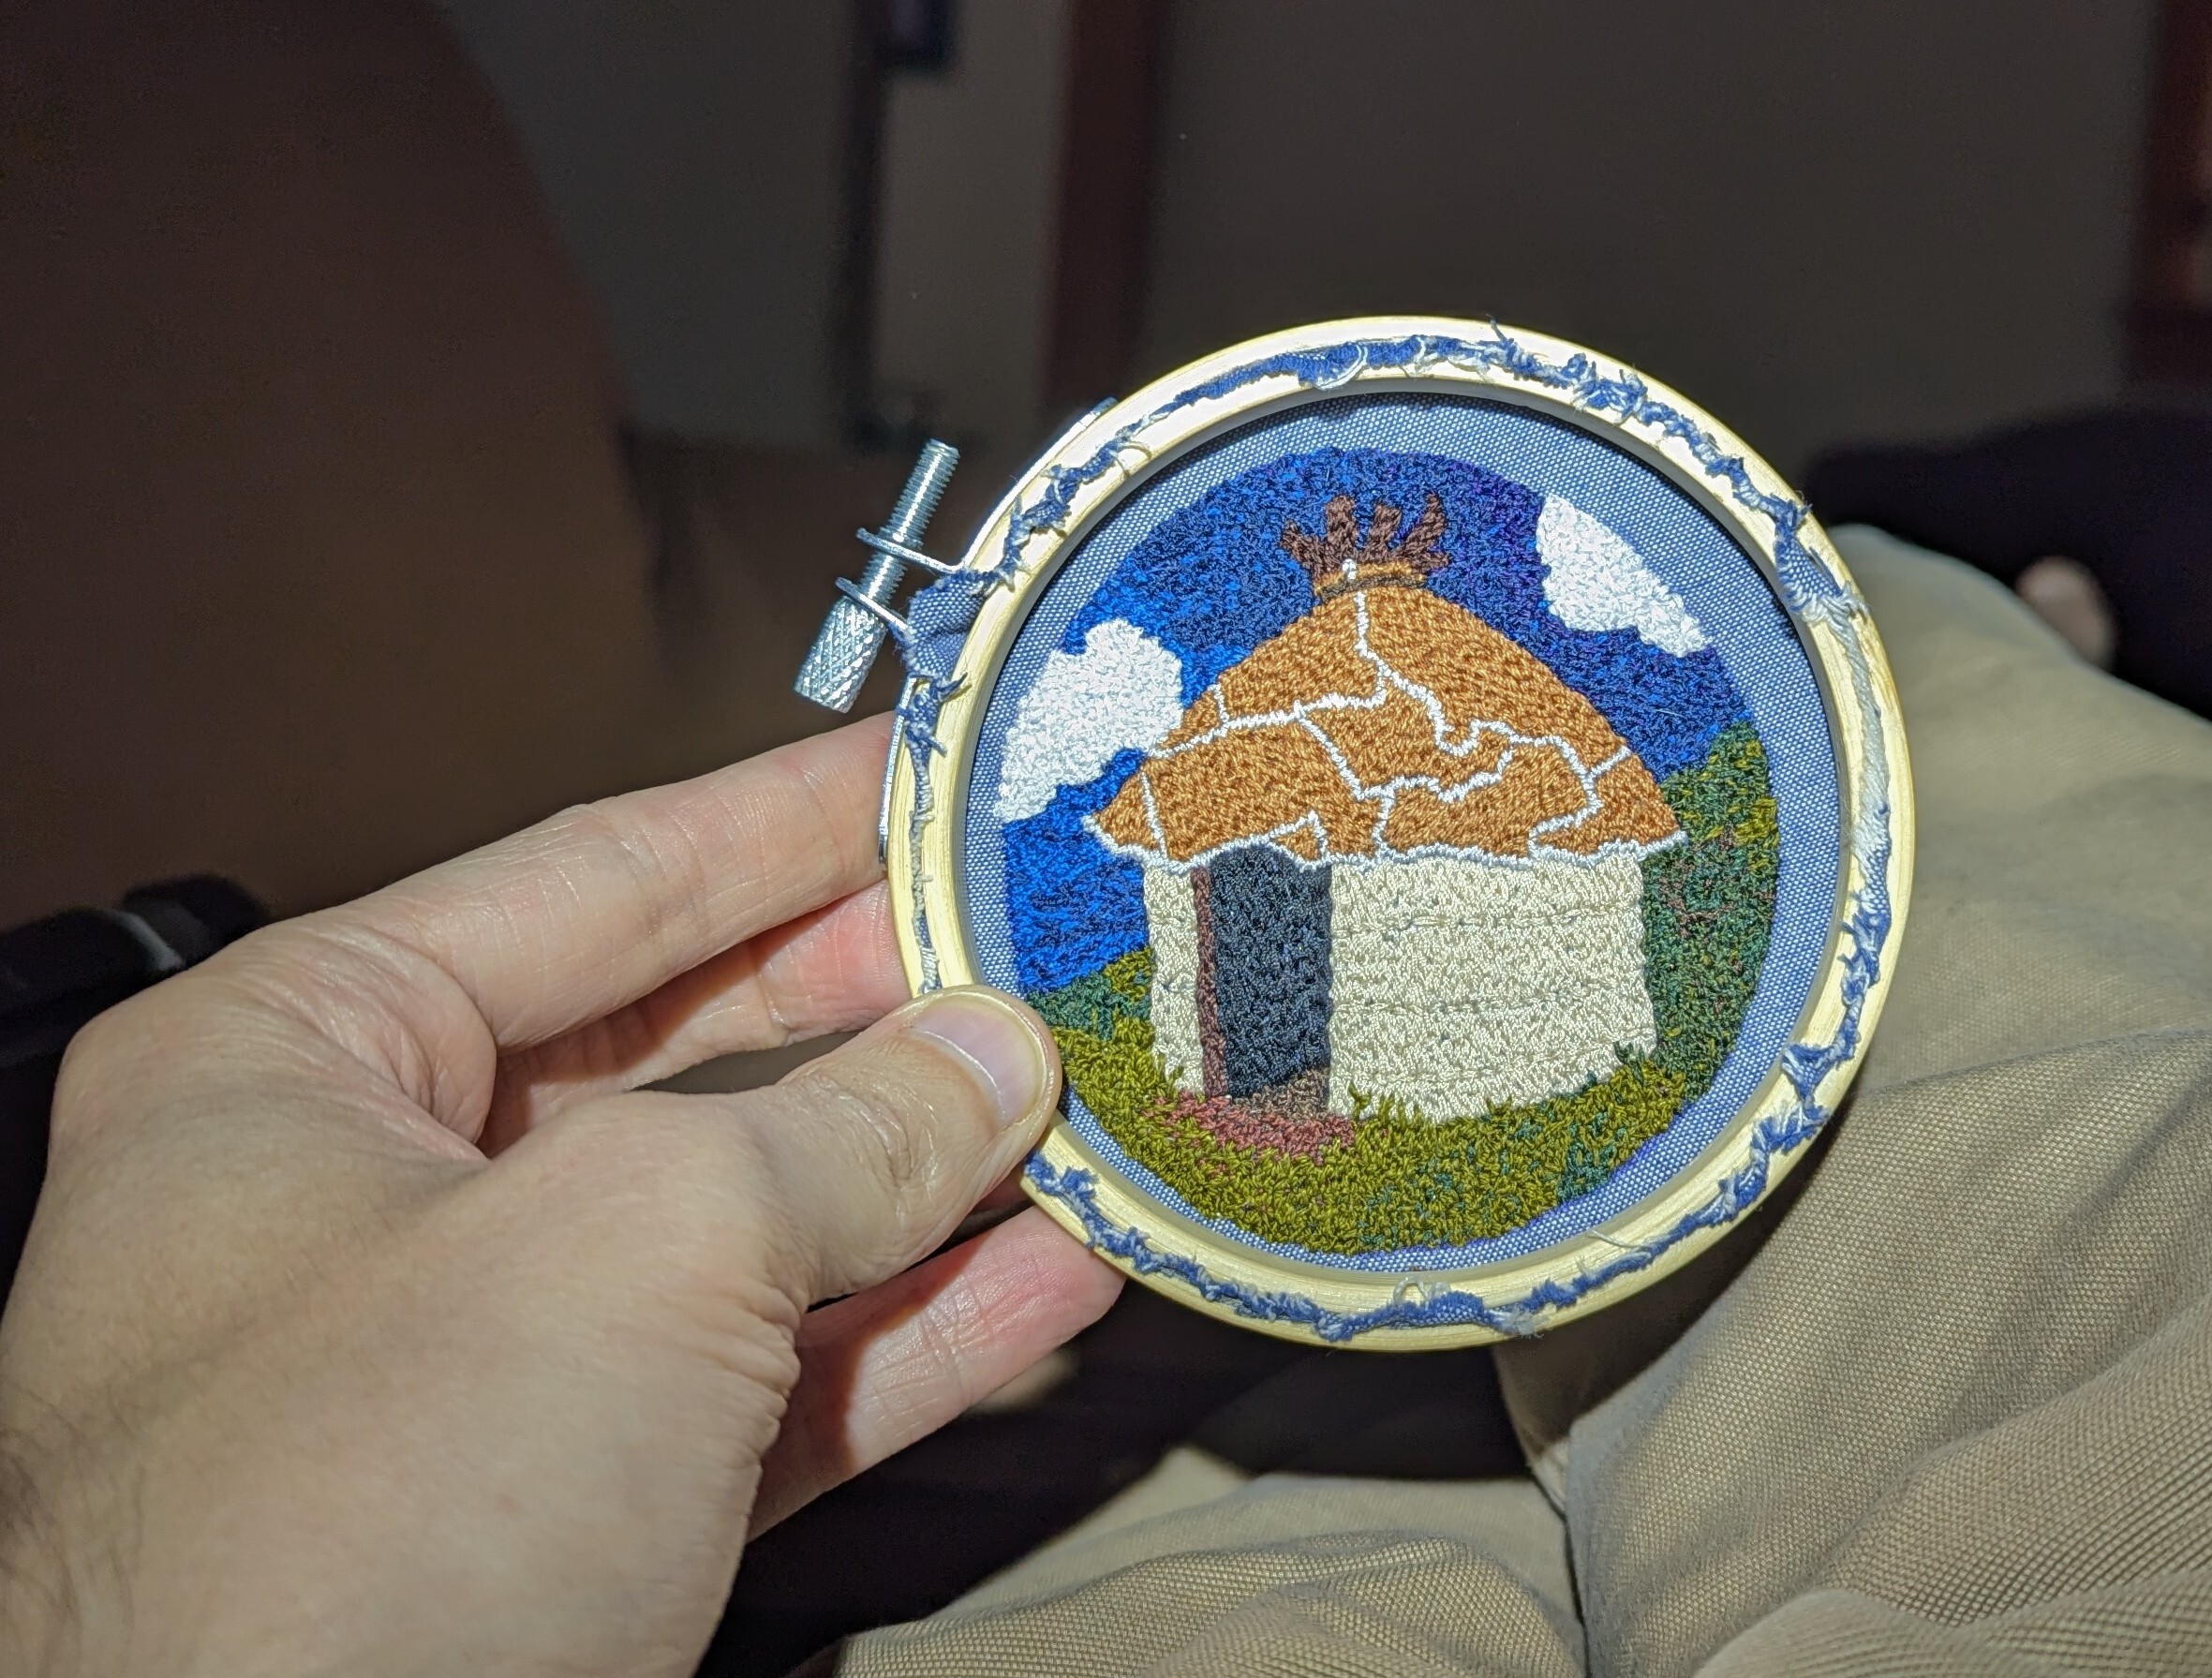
{"x":962,"y":635}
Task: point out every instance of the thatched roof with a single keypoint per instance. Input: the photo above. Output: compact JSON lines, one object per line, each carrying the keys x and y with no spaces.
{"x":1387,"y":722}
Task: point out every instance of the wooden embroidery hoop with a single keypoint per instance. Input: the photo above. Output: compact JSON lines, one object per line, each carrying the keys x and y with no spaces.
{"x":1137,"y":438}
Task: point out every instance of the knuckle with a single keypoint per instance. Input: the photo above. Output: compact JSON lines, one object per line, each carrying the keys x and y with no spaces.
{"x":123,"y":1058}
{"x":649,"y":860}
{"x":93,"y":1056}
{"x":901,"y":1119}
{"x":895,"y":1148}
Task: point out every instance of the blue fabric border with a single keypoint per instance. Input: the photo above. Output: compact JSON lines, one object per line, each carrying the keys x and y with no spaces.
{"x":942,"y":615}
{"x":1755,"y":643}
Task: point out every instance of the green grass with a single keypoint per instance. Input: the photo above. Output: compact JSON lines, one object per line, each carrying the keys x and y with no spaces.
{"x":1404,"y":1180}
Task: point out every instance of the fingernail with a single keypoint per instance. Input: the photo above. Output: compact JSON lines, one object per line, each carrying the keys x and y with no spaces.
{"x":994,"y":1038}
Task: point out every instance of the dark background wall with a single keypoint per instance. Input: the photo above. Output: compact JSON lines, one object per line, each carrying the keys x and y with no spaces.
{"x":319,"y":556}
{"x":1850,"y":219}
{"x":316,"y":560}
{"x":692,"y":153}
{"x":1859,"y":218}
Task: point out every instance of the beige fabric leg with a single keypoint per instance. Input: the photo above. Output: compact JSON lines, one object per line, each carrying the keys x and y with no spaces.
{"x":1955,"y":1413}
{"x":1948,"y":1408}
{"x":1298,"y":1577}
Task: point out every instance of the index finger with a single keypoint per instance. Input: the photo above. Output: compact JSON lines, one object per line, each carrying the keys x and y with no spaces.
{"x":599,"y":905}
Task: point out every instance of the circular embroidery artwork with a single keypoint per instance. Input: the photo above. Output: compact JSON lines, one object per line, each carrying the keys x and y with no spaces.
{"x":1416,"y":821}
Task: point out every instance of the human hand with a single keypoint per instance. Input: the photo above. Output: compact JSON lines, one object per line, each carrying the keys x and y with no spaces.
{"x":376,"y":1321}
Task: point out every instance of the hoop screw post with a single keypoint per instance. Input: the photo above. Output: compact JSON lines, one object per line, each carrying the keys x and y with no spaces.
{"x":845,"y":649}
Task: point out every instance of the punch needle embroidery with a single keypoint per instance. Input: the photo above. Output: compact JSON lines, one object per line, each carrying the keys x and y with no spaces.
{"x":1422,"y":946}
{"x":1444,"y":793}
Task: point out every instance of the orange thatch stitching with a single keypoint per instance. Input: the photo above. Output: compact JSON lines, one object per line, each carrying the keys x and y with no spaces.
{"x":1478,"y":674}
{"x":1538,"y":785}
{"x":1388,"y":722}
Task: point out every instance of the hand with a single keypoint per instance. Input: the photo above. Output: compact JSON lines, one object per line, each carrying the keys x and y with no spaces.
{"x":375,"y":1321}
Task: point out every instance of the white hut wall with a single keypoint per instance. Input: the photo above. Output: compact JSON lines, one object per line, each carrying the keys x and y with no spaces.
{"x":1172,"y":915}
{"x":1460,"y":982}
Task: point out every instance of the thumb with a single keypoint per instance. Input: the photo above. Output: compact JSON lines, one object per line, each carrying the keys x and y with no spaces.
{"x":878,"y":1150}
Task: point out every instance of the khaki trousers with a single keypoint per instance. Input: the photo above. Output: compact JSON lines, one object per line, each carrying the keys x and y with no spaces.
{"x":1945,"y":1407}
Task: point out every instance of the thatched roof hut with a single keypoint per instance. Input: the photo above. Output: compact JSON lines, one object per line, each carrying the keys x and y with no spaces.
{"x":1390,"y":852}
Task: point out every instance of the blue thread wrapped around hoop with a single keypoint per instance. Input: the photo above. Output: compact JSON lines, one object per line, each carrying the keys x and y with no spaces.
{"x":1282,"y":1105}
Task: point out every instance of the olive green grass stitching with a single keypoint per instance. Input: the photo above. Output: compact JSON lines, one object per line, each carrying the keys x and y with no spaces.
{"x":1400,"y":1181}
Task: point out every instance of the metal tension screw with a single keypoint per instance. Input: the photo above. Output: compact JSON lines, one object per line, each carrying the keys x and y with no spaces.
{"x":842,"y":653}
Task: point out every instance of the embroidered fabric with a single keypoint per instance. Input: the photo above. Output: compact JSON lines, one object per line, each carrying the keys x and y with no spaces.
{"x":1423,"y":1004}
{"x":1769,"y":671}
